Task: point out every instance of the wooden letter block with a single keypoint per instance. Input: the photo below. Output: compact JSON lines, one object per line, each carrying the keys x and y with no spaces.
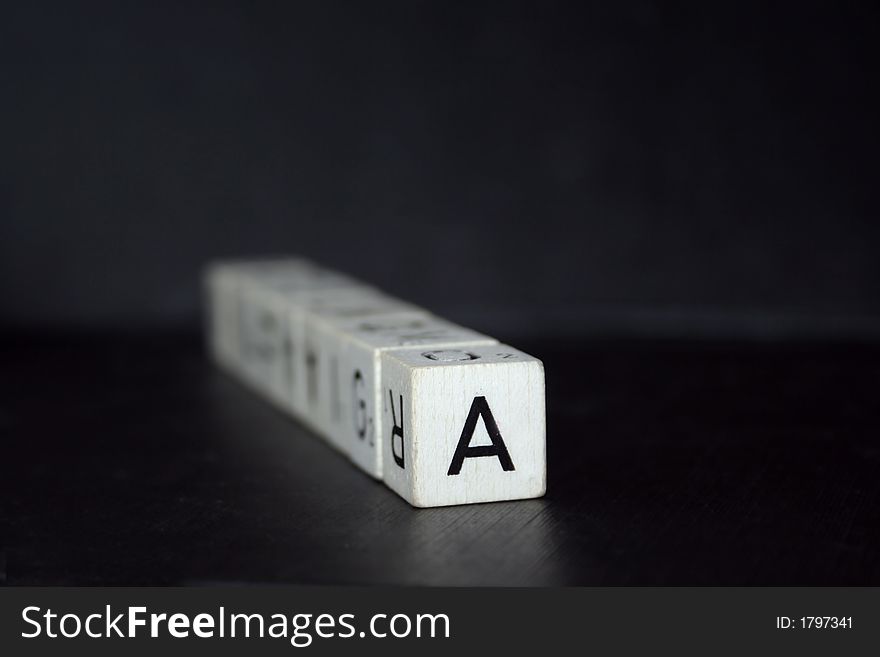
{"x":316,"y":355}
{"x":223,"y":285}
{"x":359,"y":343}
{"x":264,"y":302}
{"x":222,"y":315}
{"x":463,"y":425}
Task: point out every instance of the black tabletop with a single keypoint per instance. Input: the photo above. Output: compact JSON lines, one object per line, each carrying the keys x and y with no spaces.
{"x":132,"y":460}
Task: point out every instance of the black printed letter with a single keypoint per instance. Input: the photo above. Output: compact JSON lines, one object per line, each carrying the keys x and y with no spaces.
{"x":360,"y":405}
{"x":396,"y":430}
{"x":480,"y":407}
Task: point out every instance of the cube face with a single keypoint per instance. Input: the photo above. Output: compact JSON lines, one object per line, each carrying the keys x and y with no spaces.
{"x":261,"y":333}
{"x":266,"y":352}
{"x":463,"y":425}
{"x":316,"y":349}
{"x":225,"y":282}
{"x":359,"y":343}
{"x":359,"y":430}
{"x":222,"y":317}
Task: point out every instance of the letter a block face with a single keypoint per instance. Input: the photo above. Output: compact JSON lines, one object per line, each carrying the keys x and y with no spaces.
{"x":463,"y":425}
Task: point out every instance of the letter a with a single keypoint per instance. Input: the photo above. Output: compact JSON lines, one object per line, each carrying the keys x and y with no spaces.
{"x":464,"y":451}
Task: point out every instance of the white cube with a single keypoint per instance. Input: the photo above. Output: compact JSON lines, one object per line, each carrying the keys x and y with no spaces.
{"x":355,"y":414}
{"x":463,"y":425}
{"x":223,"y":282}
{"x":319,"y":399}
{"x":265,"y":302}
{"x":222,"y":316}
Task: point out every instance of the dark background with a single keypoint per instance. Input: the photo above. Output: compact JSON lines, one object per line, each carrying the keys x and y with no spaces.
{"x":524,"y":168}
{"x":634,"y":192}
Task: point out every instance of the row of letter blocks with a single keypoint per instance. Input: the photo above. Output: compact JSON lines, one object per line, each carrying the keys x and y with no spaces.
{"x":440,"y":413}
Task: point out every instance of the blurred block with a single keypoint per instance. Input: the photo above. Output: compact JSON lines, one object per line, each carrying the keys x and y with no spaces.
{"x":443,"y":414}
